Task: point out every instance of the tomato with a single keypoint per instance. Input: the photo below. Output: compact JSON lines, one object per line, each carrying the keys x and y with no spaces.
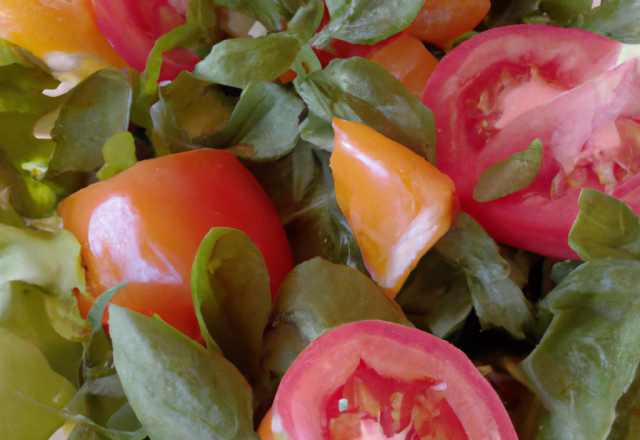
{"x":496,"y":93}
{"x":397,"y":204}
{"x":264,"y":430}
{"x":440,"y":21}
{"x":144,"y":226}
{"x":132,"y":28}
{"x":381,"y":379}
{"x":55,"y":25}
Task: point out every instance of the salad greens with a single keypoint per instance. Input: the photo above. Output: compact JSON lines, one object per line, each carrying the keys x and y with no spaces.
{"x":570,"y":328}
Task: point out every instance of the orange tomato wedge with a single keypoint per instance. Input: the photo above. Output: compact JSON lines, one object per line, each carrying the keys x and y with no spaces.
{"x":409,"y":61}
{"x":440,"y":21}
{"x":264,"y":430}
{"x":397,"y":203}
{"x":42,"y":26}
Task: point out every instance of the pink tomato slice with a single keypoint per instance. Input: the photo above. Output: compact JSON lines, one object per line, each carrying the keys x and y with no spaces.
{"x":378,"y":380}
{"x":496,"y":93}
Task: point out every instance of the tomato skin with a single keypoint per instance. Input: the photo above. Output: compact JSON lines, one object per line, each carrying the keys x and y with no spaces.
{"x":530,"y":219}
{"x":145,"y":225}
{"x":394,"y":351}
{"x":132,"y":28}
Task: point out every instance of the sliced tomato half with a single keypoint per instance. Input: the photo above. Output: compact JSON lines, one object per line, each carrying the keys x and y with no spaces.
{"x":378,"y":380}
{"x":496,"y":93}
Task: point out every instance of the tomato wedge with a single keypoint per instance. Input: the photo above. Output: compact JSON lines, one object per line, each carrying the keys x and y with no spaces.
{"x":144,"y":226}
{"x":496,"y":93}
{"x":386,"y":381}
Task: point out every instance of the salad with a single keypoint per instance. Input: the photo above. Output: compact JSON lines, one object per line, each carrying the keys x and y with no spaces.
{"x":366,"y":219}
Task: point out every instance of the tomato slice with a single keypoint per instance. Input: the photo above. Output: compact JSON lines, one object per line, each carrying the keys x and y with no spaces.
{"x":496,"y":93}
{"x":144,"y":226}
{"x":386,"y":381}
{"x":132,"y":28}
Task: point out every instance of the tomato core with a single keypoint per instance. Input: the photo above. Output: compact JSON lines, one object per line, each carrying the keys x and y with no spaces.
{"x":371,"y":404}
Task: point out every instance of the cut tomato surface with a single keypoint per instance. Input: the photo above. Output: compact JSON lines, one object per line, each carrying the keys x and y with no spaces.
{"x":496,"y":93}
{"x":144,"y":226}
{"x":386,"y":381}
{"x":375,"y":176}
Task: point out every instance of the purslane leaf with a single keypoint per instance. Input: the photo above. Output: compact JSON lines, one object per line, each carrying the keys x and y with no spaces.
{"x":119,"y":153}
{"x":510,"y":175}
{"x":176,"y":387}
{"x":616,"y":19}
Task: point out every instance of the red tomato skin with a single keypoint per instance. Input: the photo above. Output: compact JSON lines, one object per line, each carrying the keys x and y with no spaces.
{"x":570,"y":57}
{"x":154,"y":215}
{"x":132,"y":29}
{"x":297,"y":405}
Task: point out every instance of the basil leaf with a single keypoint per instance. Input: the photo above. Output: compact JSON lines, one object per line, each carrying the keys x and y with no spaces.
{"x":510,"y":175}
{"x":95,"y":110}
{"x":232,"y":298}
{"x":605,"y":228}
{"x":498,"y":301}
{"x":176,"y":387}
{"x":360,"y":90}
{"x":318,"y":296}
{"x":240,"y":61}
{"x":590,"y":353}
{"x":263,"y":126}
{"x":366,"y":21}
{"x":616,"y":19}
{"x":29,"y":391}
{"x":119,"y":153}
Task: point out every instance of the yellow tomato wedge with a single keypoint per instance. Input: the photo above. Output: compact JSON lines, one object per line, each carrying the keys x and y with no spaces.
{"x":409,"y":61}
{"x":47,"y":26}
{"x":396,"y":202}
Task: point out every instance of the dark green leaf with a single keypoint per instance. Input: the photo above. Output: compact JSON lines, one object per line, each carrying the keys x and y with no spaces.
{"x":30,"y":391}
{"x":605,"y":228}
{"x":318,"y":131}
{"x":176,"y":387}
{"x":616,"y":19}
{"x":366,"y":21}
{"x":232,"y":298}
{"x":119,"y":153}
{"x":507,"y":12}
{"x":498,"y":301}
{"x":263,"y":126}
{"x":95,"y":110}
{"x":238,"y":62}
{"x":590,"y":353}
{"x":561,"y":11}
{"x":318,"y":296}
{"x":360,"y":90}
{"x":510,"y":175}
{"x":94,"y":318}
{"x":272,"y":14}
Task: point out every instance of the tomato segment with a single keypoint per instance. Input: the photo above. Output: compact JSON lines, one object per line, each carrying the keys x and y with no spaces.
{"x":496,"y":93}
{"x":386,"y":381}
{"x":144,"y":226}
{"x":375,"y":176}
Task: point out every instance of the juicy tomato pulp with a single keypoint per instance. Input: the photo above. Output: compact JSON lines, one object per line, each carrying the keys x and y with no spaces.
{"x":55,"y":25}
{"x":132,"y":28}
{"x":144,"y":226}
{"x":496,"y":93}
{"x":380,"y":380}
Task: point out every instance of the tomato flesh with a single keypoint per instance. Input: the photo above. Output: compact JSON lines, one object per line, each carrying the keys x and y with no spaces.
{"x":386,"y":381}
{"x":144,"y":226}
{"x":496,"y":93}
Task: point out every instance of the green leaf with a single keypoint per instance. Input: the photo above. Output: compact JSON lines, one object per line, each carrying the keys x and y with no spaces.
{"x":240,"y":61}
{"x":605,"y":228}
{"x":510,"y":175}
{"x":627,"y":423}
{"x":94,"y":318}
{"x":23,"y":313}
{"x":119,"y":154}
{"x":590,"y":353}
{"x":95,"y":110}
{"x":263,"y":126}
{"x":318,"y":132}
{"x":561,"y":11}
{"x":318,"y":296}
{"x":506,"y":12}
{"x":176,"y":387}
{"x":616,"y":19}
{"x":307,"y":19}
{"x":360,"y":90}
{"x":366,"y":21}
{"x":30,"y":391}
{"x":51,"y":261}
{"x":232,"y":298}
{"x":498,"y":301}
